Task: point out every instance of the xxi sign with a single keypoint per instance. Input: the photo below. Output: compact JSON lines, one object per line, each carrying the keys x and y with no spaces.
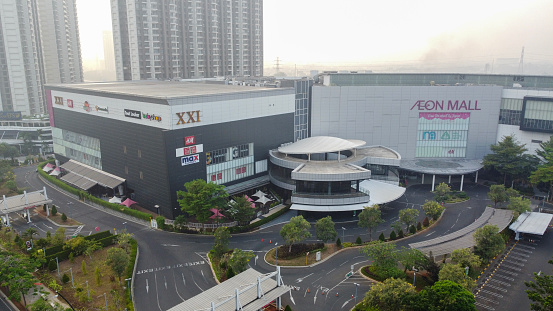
{"x":188,"y":117}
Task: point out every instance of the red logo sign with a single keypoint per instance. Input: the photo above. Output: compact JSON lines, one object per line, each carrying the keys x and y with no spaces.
{"x":189,"y":140}
{"x":70,"y":103}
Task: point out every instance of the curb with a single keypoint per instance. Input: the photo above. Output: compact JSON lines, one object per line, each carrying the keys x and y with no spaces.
{"x":7,"y":300}
{"x":55,"y":223}
{"x":134,"y":273}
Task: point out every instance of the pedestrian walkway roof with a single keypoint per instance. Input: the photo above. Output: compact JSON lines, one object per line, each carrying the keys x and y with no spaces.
{"x":532,"y":223}
{"x":24,"y":201}
{"x":85,"y":177}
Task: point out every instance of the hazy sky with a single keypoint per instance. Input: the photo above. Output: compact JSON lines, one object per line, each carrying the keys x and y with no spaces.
{"x":380,"y":33}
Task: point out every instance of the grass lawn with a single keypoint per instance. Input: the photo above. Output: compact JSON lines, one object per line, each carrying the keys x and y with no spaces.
{"x":78,"y":296}
{"x":328,"y":250}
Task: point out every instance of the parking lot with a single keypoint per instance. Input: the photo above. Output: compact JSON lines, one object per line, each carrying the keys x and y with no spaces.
{"x":501,"y":286}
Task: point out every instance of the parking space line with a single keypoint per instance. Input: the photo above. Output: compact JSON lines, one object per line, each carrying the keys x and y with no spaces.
{"x":487,"y":299}
{"x":500,"y":282}
{"x":511,"y":267}
{"x":507,"y":272}
{"x":491,"y":293}
{"x":514,"y":262}
{"x":495,"y":287}
{"x":484,"y":306}
{"x":505,"y":277}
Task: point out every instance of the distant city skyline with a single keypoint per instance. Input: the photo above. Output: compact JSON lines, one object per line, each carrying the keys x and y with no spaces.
{"x":400,"y":35}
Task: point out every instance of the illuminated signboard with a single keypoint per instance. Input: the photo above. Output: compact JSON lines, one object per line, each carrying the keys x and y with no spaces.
{"x":10,"y":115}
{"x":442,"y":134}
{"x":191,"y":159}
{"x":189,"y":140}
{"x":189,"y":150}
{"x":188,"y":117}
{"x":442,"y":105}
{"x":70,"y":103}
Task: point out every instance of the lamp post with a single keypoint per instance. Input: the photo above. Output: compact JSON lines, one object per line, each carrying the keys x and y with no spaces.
{"x":276,"y":254}
{"x":125,"y":223}
{"x":414,"y":274}
{"x":157,"y":208}
{"x":343,"y":234}
{"x":356,"y":285}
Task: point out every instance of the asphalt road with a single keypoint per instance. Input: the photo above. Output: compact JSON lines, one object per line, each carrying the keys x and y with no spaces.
{"x":172,"y":267}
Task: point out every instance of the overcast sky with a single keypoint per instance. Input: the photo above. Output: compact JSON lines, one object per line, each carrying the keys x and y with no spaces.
{"x":380,"y":33}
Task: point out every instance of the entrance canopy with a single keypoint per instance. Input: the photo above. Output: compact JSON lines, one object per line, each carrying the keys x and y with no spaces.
{"x":381,"y":192}
{"x":531,"y":223}
{"x":85,"y":177}
{"x":24,"y":201}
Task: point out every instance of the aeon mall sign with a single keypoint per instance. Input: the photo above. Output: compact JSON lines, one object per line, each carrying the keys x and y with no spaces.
{"x":443,"y":105}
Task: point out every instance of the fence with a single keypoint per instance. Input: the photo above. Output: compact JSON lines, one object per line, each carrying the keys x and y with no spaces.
{"x":210,"y":226}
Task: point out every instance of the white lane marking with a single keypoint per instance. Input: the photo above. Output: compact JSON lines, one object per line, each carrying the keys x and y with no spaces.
{"x":343,"y":263}
{"x":345,"y":303}
{"x":316,"y":280}
{"x":147,"y":287}
{"x":431,"y":233}
{"x":301,"y":279}
{"x":165,"y":280}
{"x":193,"y":280}
{"x":176,"y":288}
{"x":173,"y":245}
{"x":183,"y":280}
{"x":330,"y":271}
{"x":157,"y":292}
{"x":315,"y":297}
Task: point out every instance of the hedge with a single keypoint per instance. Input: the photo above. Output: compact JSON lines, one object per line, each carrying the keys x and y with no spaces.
{"x":83,"y":194}
{"x":239,"y":229}
{"x":105,"y":238}
{"x":129,"y":272}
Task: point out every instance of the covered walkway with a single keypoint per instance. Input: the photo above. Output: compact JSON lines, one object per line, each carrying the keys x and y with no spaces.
{"x":463,"y":238}
{"x":531,"y":223}
{"x":448,"y":167}
{"x":85,"y":177}
{"x":23,"y":202}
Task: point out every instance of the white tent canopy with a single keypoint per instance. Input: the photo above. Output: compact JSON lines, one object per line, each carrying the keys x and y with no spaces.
{"x":258,"y":194}
{"x":263,"y":200}
{"x":531,"y":223}
{"x":115,"y":200}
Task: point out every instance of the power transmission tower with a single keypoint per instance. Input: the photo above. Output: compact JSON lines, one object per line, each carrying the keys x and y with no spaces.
{"x":277,"y":64}
{"x":521,"y":64}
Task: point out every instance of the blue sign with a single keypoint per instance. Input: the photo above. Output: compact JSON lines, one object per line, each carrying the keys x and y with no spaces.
{"x":10,"y":115}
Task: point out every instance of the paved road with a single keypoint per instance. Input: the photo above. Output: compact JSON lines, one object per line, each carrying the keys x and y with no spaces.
{"x":172,"y":267}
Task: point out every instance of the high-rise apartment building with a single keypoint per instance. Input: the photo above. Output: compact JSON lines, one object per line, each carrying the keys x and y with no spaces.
{"x":109,"y":57}
{"x":172,"y":39}
{"x":39,"y":43}
{"x":59,"y":33}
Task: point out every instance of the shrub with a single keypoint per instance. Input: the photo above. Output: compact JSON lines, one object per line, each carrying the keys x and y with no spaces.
{"x":83,"y":267}
{"x":419,"y":226}
{"x":65,"y":278}
{"x":63,"y":217}
{"x":339,"y":243}
{"x":412,"y":229}
{"x":462,"y":195}
{"x":393,"y":235}
{"x":71,"y":257}
{"x":400,"y":234}
{"x":52,"y":265}
{"x":425,"y":222}
{"x":54,"y":210}
{"x":230,"y":273}
{"x":160,"y":220}
{"x":287,"y":308}
{"x":98,"y":276}
{"x":358,"y":241}
{"x":299,"y":249}
{"x":381,"y":237}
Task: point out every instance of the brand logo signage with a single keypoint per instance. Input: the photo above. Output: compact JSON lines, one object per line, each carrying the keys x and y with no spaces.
{"x":437,"y":105}
{"x":132,"y":114}
{"x":189,"y":140}
{"x":86,"y":107}
{"x":103,"y":109}
{"x":10,"y":115}
{"x":70,"y":103}
{"x":188,"y":117}
{"x":195,"y":158}
{"x":151,"y":117}
{"x":189,"y":150}
{"x":58,"y":100}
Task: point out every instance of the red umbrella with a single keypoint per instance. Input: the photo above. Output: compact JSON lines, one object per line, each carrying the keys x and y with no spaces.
{"x":128,"y":202}
{"x":216,"y":214}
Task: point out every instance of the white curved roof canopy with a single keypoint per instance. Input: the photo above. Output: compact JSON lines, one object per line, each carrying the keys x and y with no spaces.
{"x":320,"y":144}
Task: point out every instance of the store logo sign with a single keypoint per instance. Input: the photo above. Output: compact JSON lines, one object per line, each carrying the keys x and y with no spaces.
{"x":456,"y":105}
{"x":195,"y":158}
{"x":189,"y":140}
{"x":58,"y":100}
{"x":102,"y":109}
{"x":151,"y":117}
{"x":189,"y":150}
{"x":87,"y":107}
{"x":70,"y":103}
{"x":432,"y":135}
{"x":132,"y":114}
{"x":188,"y":117}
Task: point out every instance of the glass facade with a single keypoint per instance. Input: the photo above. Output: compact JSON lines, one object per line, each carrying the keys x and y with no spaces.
{"x":228,"y":164}
{"x":301,"y":115}
{"x":510,"y":111}
{"x":78,"y":147}
{"x":442,"y":135}
{"x":537,"y":114}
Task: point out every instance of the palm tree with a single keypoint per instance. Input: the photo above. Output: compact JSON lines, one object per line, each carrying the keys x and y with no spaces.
{"x":29,"y":233}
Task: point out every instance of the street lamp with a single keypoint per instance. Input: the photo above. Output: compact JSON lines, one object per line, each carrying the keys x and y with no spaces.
{"x":356,"y":285}
{"x":276,"y":254}
{"x":343,"y":233}
{"x":414,"y":274}
{"x":125,"y":223}
{"x":157,"y":208}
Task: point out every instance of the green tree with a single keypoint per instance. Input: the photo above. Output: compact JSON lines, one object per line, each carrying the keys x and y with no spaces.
{"x":98,"y":276}
{"x":393,"y":235}
{"x":16,"y":273}
{"x":497,"y":194}
{"x":59,"y":236}
{"x":432,"y":209}
{"x":118,"y":260}
{"x":239,"y":260}
{"x":456,"y":273}
{"x":396,"y":226}
{"x":519,"y":205}
{"x":540,"y":291}
{"x":544,"y":171}
{"x":412,"y":257}
{"x":77,"y":245}
{"x":124,"y":240}
{"x":54,"y":210}
{"x":241,"y":209}
{"x":90,"y":247}
{"x":447,"y":295}
{"x":370,"y":218}
{"x":488,"y":242}
{"x":324,"y":229}
{"x":200,"y":197}
{"x":390,"y":295}
{"x":83,"y":267}
{"x":29,"y":233}
{"x":508,"y":158}
{"x":465,"y":258}
{"x":384,"y":255}
{"x":63,"y":217}
{"x":220,"y":242}
{"x":441,"y":191}
{"x":408,"y":216}
{"x":295,"y":231}
{"x":42,"y":305}
{"x":179,"y":222}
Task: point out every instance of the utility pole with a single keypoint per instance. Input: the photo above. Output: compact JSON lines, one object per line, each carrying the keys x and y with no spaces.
{"x":521,"y":63}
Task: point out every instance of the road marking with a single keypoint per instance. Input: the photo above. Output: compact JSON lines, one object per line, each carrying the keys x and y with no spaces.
{"x":173,"y":245}
{"x":345,"y":303}
{"x":165,"y":279}
{"x":147,"y":287}
{"x":196,"y":283}
{"x":316,"y":280}
{"x":301,"y":279}
{"x":343,"y":263}
{"x":179,"y":265}
{"x":183,"y":280}
{"x":430,"y":233}
{"x":315,"y":297}
{"x":330,"y":271}
{"x":157,"y":292}
{"x":176,"y":288}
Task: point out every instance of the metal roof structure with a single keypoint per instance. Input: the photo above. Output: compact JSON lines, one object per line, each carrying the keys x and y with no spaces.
{"x":320,"y":144}
{"x":531,"y":223}
{"x":248,"y":291}
{"x":463,"y":238}
{"x":24,"y":201}
{"x":449,"y":166}
{"x":85,"y":177}
{"x":381,"y":192}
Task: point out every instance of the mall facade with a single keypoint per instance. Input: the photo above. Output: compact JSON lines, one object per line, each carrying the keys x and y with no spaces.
{"x":160,"y":135}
